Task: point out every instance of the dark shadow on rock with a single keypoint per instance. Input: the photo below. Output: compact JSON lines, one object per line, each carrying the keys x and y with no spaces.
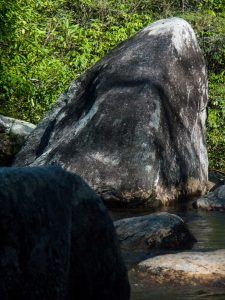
{"x":57,"y":241}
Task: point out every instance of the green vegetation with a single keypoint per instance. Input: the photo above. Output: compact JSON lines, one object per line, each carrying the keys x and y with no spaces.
{"x":44,"y":44}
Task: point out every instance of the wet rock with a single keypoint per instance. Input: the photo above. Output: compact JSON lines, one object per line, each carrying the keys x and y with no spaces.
{"x":154,"y":231}
{"x":13,"y":133}
{"x":56,"y":239}
{"x":222,"y":182}
{"x":214,"y":200}
{"x":216,"y":179}
{"x":133,"y":126}
{"x":192,"y":268}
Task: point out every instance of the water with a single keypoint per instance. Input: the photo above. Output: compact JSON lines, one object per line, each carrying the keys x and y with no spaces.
{"x":209,"y":230}
{"x":177,"y":293}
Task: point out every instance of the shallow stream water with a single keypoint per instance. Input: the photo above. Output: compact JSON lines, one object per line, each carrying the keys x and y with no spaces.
{"x":209,"y":230}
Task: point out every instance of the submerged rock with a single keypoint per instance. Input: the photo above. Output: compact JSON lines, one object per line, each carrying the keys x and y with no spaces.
{"x":13,"y":134}
{"x":214,"y":200}
{"x":191,"y":268}
{"x":133,"y":126}
{"x":56,"y":239}
{"x":154,"y":231}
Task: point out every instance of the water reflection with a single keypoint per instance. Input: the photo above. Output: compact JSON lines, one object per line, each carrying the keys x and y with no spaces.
{"x":208,"y":228}
{"x":187,"y":293}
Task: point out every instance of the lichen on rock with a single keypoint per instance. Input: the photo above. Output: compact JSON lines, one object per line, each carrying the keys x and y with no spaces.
{"x":133,"y":122}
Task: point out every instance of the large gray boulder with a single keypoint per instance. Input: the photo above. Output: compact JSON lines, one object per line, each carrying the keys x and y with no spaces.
{"x":186,"y":268}
{"x":13,"y":134}
{"x":56,"y":239}
{"x":133,"y":126}
{"x":214,"y":200}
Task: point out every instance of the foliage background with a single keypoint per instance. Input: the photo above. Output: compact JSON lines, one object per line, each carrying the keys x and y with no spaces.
{"x":45,"y":44}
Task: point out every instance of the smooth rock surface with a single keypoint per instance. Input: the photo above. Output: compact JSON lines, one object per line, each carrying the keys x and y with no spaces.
{"x":133,"y":126}
{"x":57,"y":241}
{"x":13,"y":134}
{"x":154,"y":231}
{"x":192,"y":268}
{"x":214,"y":200}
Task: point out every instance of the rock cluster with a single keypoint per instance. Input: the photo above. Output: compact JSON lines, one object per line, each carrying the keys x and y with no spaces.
{"x":133,"y":126}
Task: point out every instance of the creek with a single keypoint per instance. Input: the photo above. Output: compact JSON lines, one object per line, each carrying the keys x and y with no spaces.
{"x":208,"y":228}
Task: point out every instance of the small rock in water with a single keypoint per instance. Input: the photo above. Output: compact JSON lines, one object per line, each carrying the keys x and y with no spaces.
{"x":191,"y":268}
{"x":214,"y":200}
{"x":154,"y":231}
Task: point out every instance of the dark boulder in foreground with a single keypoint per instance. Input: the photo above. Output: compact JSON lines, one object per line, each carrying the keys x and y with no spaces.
{"x":154,"y":231}
{"x":56,"y":239}
{"x":133,"y":126}
{"x":214,"y":200}
{"x":13,"y":134}
{"x":186,"y":268}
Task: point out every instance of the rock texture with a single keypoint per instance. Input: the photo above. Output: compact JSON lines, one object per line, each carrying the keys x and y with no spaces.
{"x":205,"y":268}
{"x":215,"y":180}
{"x":12,"y":136}
{"x":214,"y":200}
{"x":155,"y":231}
{"x":133,"y":126}
{"x":56,"y":239}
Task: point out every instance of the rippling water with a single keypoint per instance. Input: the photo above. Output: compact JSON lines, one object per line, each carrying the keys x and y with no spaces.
{"x":177,"y":293}
{"x":209,"y":230}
